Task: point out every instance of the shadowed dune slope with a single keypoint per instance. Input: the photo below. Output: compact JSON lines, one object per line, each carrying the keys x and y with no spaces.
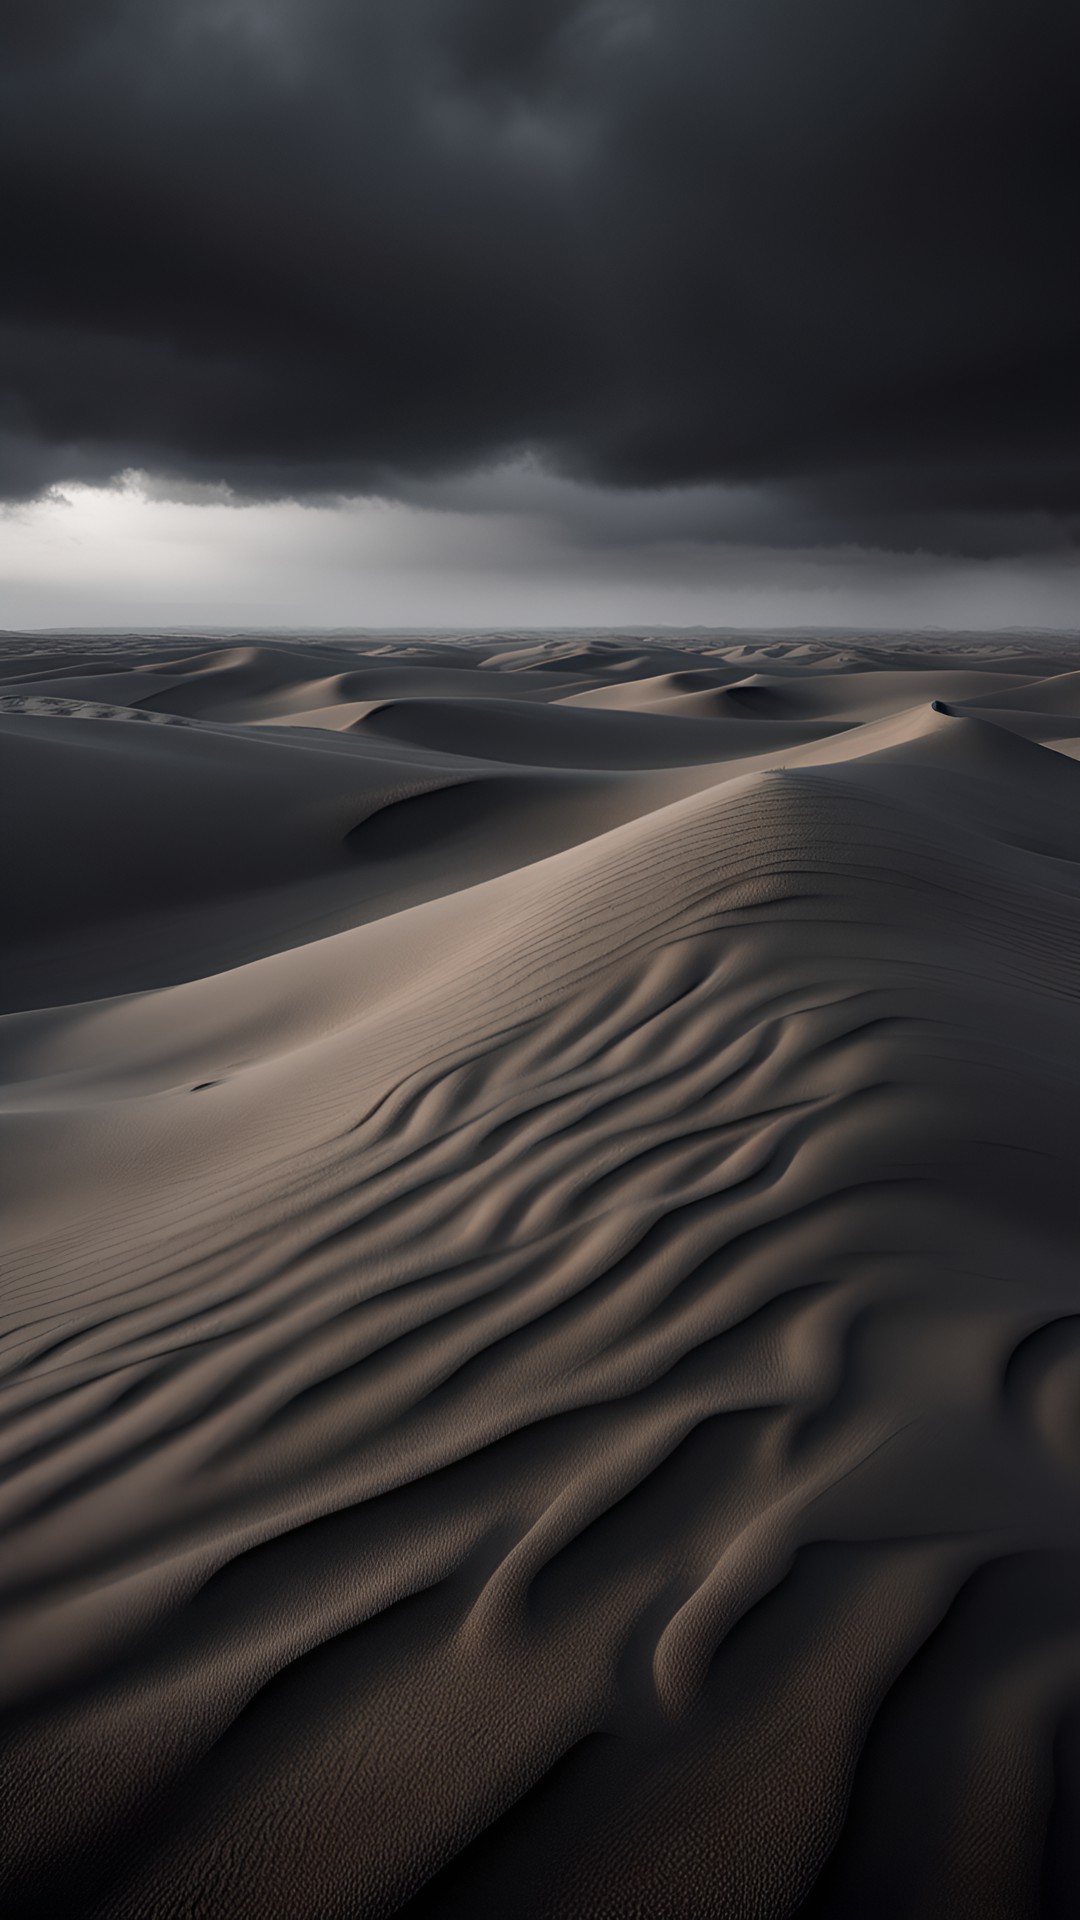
{"x":553,"y":1390}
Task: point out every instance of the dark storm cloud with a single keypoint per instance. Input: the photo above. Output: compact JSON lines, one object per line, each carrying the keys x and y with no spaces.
{"x":818,"y":248}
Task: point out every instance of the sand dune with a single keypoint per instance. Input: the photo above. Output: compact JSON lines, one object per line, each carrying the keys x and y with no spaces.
{"x":541,"y":1326}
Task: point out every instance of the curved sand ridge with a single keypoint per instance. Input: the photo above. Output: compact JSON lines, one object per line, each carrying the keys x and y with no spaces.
{"x":559,"y":1398}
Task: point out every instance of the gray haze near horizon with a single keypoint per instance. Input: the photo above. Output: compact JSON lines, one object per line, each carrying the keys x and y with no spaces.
{"x":125,"y":555}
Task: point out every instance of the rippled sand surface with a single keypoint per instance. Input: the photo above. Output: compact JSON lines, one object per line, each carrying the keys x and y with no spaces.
{"x":541,"y":1340}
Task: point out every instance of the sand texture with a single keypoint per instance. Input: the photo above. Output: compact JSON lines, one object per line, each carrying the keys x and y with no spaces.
{"x":541,"y":1302}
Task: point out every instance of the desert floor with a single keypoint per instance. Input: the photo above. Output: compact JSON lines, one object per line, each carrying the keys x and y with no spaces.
{"x":541,"y":1302}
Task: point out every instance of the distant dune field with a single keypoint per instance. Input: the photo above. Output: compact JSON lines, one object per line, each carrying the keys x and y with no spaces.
{"x":541,"y":1302}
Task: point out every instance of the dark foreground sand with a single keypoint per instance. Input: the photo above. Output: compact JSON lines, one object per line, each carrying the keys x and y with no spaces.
{"x":542,"y":1298}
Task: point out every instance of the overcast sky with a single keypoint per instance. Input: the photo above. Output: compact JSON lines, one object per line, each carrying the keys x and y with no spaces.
{"x":396,"y":312}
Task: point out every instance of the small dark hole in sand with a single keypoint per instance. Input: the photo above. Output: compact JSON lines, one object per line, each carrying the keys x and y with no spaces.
{"x":201,"y":1085}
